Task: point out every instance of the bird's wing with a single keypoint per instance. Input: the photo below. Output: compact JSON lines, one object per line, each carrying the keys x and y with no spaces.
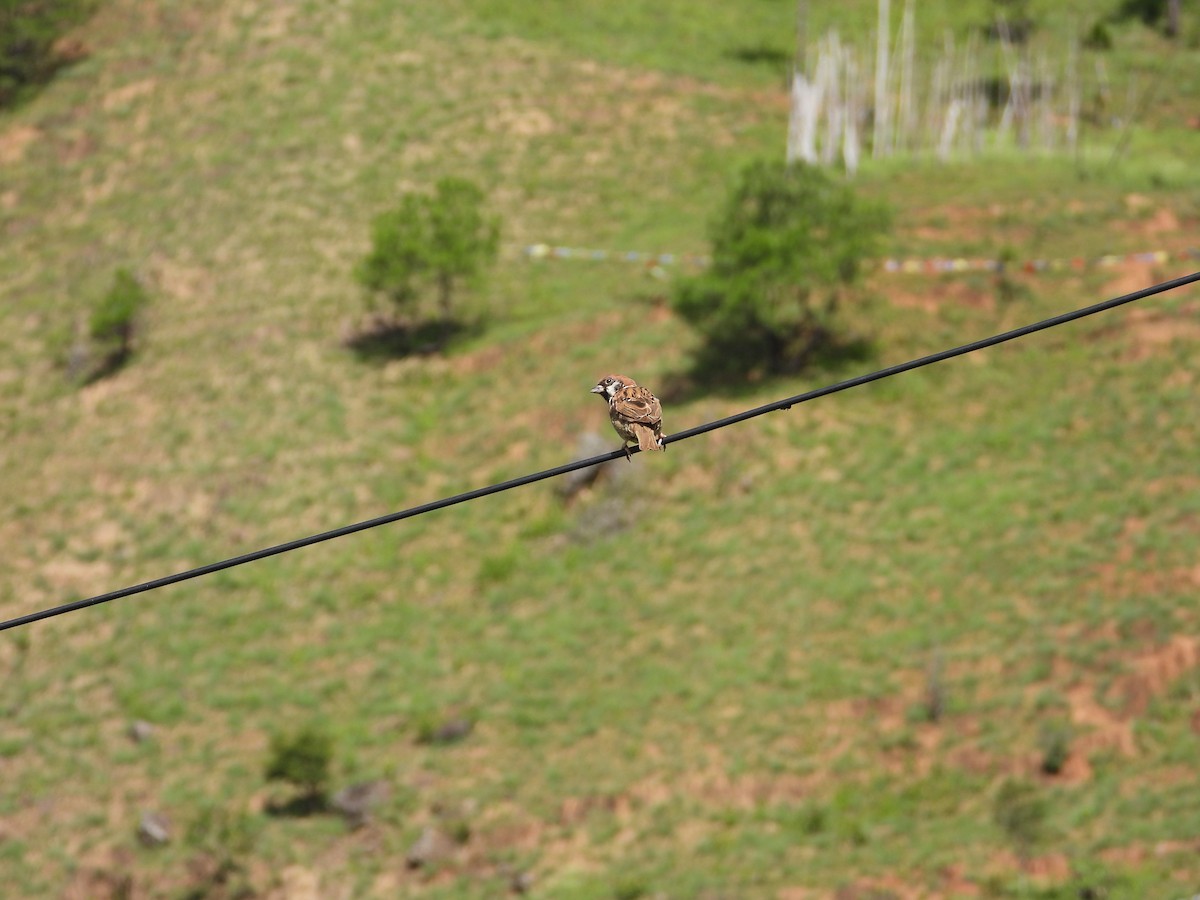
{"x":638,"y":405}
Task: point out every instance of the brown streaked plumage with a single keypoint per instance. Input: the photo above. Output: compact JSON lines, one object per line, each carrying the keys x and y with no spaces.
{"x":634,"y":411}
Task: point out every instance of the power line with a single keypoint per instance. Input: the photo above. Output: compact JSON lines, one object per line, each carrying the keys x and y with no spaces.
{"x":476,"y":494}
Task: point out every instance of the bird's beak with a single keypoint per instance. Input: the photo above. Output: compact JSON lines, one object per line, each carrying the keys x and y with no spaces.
{"x":597,"y":390}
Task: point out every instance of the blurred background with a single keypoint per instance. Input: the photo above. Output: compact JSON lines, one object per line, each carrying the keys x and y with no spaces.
{"x":269,"y":267}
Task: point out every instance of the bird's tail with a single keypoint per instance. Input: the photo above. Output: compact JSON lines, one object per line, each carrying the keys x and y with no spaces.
{"x":648,"y":439}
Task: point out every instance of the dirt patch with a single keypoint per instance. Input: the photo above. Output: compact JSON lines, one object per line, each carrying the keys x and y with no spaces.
{"x":1135,"y":203}
{"x":1164,"y":221}
{"x":1132,"y":277}
{"x":887,"y":887}
{"x":1077,"y":769}
{"x":1118,"y":579}
{"x":1137,"y":854}
{"x":1104,"y":728}
{"x":486,"y":359}
{"x":931,"y":296}
{"x":1043,"y":871}
{"x":920,"y":298}
{"x":101,"y":882}
{"x":124,"y":96}
{"x":528,"y":121}
{"x":275,"y":22}
{"x":1154,"y":672}
{"x":798,"y":893}
{"x":1108,"y":724}
{"x":76,"y":575}
{"x":15,"y":141}
{"x":1151,"y":330}
{"x":1003,"y":224}
{"x":299,"y":883}
{"x":1053,"y":867}
{"x":955,"y":882}
{"x":714,"y":787}
{"x":184,"y":283}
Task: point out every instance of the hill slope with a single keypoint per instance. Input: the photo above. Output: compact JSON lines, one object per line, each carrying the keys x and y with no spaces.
{"x":723,"y":685}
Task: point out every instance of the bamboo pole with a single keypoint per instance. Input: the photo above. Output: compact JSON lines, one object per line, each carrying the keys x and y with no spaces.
{"x":882,"y":137}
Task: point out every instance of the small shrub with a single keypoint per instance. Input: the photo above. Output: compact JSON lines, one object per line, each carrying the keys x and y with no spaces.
{"x":935,"y":690}
{"x":856,"y":834}
{"x":787,"y":246}
{"x":302,"y":759}
{"x":1054,"y":740}
{"x":115,"y":318}
{"x":1098,"y":37}
{"x":813,"y":819}
{"x":630,"y":888}
{"x":498,"y":568}
{"x":459,"y":831}
{"x":1008,"y":288}
{"x":1020,"y":812}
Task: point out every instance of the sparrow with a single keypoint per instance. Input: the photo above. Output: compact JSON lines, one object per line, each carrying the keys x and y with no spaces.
{"x":634,"y":411}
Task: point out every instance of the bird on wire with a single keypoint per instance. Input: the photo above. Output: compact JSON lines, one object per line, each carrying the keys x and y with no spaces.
{"x":634,"y":411}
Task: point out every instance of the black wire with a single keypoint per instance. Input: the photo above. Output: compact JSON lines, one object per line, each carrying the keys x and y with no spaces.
{"x":603,"y":458}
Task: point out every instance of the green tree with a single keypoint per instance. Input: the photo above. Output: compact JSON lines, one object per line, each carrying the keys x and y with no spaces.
{"x":302,"y":759}
{"x":430,"y":243}
{"x":787,"y":246}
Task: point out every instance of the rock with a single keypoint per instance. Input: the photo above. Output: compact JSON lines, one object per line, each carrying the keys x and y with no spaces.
{"x":140,"y":731}
{"x":521,"y":883}
{"x":453,"y":730}
{"x":356,"y":801}
{"x":154,"y":830}
{"x":432,"y":846}
{"x":450,"y":730}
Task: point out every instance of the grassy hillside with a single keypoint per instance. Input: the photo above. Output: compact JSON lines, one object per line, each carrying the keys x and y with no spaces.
{"x":796,"y":658}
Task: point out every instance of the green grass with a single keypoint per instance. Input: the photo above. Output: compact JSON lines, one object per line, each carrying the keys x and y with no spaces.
{"x":717,"y":697}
